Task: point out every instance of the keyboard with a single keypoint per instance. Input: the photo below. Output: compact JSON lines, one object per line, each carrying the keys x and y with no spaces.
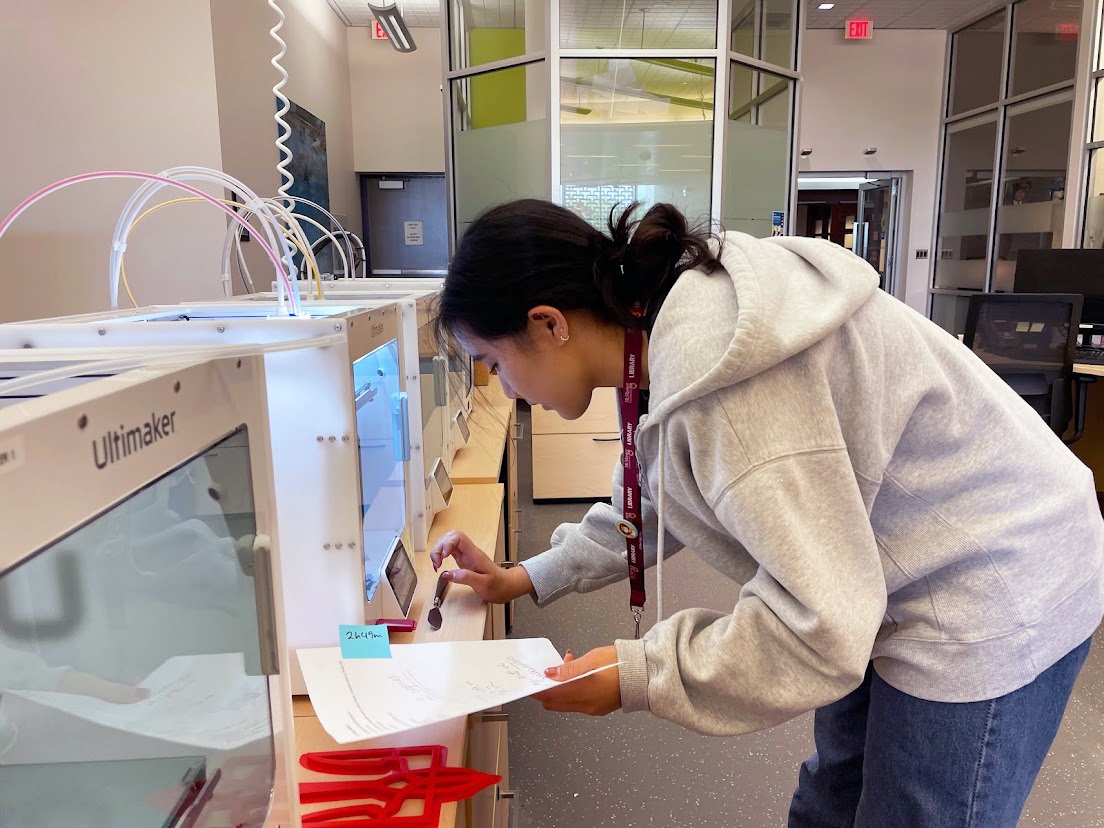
{"x":1089,"y":356}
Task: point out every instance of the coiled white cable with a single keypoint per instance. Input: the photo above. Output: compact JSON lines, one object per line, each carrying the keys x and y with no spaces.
{"x":283,"y":128}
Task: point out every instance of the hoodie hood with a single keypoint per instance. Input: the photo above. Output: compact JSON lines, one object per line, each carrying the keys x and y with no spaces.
{"x":773,"y":299}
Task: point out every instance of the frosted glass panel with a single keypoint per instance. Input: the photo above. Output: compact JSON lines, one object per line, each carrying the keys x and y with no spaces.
{"x":967,"y":194}
{"x":501,"y":139}
{"x":778,"y":33}
{"x":1098,"y":114}
{"x":636,"y":130}
{"x":978,"y":55}
{"x":764,"y":30}
{"x":1045,"y":37}
{"x":1094,"y":203}
{"x":1033,"y":191}
{"x":136,"y":638}
{"x":757,"y":151}
{"x":481,"y":33}
{"x":376,"y":391}
{"x":616,"y":24}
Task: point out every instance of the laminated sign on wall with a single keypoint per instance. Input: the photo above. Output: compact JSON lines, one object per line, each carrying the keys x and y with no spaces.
{"x":413,"y":233}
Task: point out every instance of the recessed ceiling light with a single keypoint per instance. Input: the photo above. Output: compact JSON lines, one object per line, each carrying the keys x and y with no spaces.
{"x":826,"y":6}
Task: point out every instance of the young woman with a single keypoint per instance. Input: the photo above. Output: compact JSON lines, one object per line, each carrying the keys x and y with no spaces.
{"x":920,"y":557}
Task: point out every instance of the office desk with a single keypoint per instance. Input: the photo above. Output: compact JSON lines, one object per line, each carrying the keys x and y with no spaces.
{"x":1088,"y":370}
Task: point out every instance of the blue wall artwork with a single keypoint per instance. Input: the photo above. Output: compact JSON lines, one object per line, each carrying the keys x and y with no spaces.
{"x":307,"y":143}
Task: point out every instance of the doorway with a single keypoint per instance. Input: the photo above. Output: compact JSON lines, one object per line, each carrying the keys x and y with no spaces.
{"x":405,"y":224}
{"x":858,"y":211}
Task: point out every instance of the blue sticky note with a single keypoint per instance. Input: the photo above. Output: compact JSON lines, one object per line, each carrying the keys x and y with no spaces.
{"x":359,"y":641}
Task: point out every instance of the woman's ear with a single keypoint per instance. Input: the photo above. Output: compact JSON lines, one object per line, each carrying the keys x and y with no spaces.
{"x":547,"y":324}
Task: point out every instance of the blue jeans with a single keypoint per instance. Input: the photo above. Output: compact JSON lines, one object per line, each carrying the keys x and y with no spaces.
{"x":888,"y":760}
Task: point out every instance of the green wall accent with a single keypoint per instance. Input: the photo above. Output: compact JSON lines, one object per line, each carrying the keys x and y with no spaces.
{"x":497,"y":98}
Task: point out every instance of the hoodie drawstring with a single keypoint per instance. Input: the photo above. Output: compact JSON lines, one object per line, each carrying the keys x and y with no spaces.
{"x":662,"y":529}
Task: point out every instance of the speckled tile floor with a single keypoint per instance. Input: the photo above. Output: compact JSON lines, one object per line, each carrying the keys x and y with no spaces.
{"x":1069,"y":792}
{"x":632,"y":771}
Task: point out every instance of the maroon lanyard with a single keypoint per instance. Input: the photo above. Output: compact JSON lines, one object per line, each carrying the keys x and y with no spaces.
{"x":632,"y":523}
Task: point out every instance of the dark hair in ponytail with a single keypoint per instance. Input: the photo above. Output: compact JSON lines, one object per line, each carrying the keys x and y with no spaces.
{"x":531,"y":252}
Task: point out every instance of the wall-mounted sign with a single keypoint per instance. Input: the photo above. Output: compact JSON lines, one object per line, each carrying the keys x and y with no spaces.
{"x":414,"y":233}
{"x":377,"y":31}
{"x":859,"y":29}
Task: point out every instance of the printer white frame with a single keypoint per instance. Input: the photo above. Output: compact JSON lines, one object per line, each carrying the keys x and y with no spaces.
{"x":316,"y":457}
{"x":355,"y":289}
{"x":46,"y":446}
{"x":442,"y":435}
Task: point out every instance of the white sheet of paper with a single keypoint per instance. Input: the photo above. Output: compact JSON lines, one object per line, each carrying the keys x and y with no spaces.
{"x":422,"y":684}
{"x":203,"y":701}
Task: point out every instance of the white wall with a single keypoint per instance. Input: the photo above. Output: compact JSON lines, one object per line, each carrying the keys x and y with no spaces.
{"x":398,"y":115}
{"x":882,"y":93}
{"x":90,"y":86}
{"x":317,"y":62}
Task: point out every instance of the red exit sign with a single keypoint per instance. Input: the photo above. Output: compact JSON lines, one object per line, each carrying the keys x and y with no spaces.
{"x":859,"y":30}
{"x":1068,"y":31}
{"x":377,"y":31}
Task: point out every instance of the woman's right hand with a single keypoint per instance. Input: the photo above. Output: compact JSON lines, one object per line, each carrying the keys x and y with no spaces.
{"x":474,"y":568}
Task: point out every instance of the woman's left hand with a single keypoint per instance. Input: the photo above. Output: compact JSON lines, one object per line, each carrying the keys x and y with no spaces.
{"x":595,"y":695}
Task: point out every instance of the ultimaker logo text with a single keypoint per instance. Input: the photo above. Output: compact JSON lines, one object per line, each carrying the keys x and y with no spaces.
{"x":116,"y":445}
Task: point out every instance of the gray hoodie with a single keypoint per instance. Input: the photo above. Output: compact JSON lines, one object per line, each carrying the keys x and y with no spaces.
{"x":877,"y":491}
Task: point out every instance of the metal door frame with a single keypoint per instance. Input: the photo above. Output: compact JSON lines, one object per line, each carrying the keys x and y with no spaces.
{"x":364,"y":178}
{"x":901,"y":207}
{"x":891,"y":241}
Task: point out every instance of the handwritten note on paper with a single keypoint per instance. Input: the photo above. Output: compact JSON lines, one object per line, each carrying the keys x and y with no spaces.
{"x":359,"y":641}
{"x":203,"y":701}
{"x":422,"y":684}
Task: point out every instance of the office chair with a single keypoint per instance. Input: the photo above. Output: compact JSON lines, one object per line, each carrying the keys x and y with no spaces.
{"x":1029,"y":340}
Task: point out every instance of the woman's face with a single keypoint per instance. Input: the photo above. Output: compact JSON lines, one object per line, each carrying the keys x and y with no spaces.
{"x":538,"y":367}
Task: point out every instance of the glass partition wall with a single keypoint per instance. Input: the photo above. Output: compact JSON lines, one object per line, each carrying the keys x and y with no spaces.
{"x":1092,"y":232}
{"x":594,"y":103}
{"x":1011,"y":143}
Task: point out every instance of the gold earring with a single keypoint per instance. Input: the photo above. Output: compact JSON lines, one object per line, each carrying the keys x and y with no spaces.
{"x":564,"y":338}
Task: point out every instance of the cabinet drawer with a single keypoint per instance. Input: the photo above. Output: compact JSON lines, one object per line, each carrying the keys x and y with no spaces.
{"x":488,"y":746}
{"x":574,"y":465}
{"x":599,"y":418}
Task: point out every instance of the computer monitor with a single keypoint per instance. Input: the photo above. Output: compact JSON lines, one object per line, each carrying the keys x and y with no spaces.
{"x":1065,"y":271}
{"x":337,"y":436}
{"x":142,"y":665}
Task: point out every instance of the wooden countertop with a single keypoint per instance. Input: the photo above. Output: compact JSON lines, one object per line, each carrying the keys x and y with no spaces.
{"x":476,"y":510}
{"x":480,"y":461}
{"x":1091,"y":370}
